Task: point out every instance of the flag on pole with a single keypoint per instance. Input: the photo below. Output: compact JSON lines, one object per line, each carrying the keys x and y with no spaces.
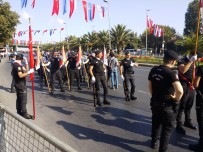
{"x":85,"y":9}
{"x":79,"y":56}
{"x":37,"y":63}
{"x":105,"y":61}
{"x":201,"y":3}
{"x":55,"y":9}
{"x":63,"y":54}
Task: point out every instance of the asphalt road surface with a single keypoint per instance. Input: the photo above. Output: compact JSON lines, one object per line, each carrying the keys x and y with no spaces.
{"x":70,"y":116}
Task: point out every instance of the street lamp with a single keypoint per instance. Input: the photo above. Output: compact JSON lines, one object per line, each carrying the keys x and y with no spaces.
{"x":109,"y":24}
{"x":146,"y":30}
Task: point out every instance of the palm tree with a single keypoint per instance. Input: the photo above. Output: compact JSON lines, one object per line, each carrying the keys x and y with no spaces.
{"x":103,"y":38}
{"x":188,"y":43}
{"x":74,"y":42}
{"x":120,"y":36}
{"x":83,"y":42}
{"x":92,"y":40}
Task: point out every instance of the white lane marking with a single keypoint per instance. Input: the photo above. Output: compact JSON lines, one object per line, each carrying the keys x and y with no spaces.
{"x":138,"y":90}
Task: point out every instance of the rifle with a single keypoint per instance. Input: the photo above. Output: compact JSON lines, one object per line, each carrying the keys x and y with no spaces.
{"x":68,"y":79}
{"x":127,"y":98}
{"x":86,"y":77}
{"x":94,"y":94}
{"x":46,"y":77}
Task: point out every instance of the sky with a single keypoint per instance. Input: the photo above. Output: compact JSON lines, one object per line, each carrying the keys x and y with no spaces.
{"x":131,"y":13}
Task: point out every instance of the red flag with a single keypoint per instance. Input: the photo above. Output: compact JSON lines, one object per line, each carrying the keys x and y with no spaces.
{"x":44,"y":31}
{"x":103,"y":11}
{"x":79,"y":56}
{"x":85,"y":9}
{"x":55,"y":7}
{"x":201,"y":3}
{"x":31,"y":53}
{"x":37,"y":63}
{"x":31,"y":67}
{"x":93,"y":11}
{"x":72,"y":7}
{"x":63,"y":54}
{"x":33,"y":3}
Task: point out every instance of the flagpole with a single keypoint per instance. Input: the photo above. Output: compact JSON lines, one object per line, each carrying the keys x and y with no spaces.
{"x":146,"y":30}
{"x":109,"y":24}
{"x":197,"y":37}
{"x":33,"y":95}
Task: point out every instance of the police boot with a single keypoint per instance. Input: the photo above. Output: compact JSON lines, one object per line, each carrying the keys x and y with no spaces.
{"x":27,"y":116}
{"x":79,"y":88}
{"x":62,"y":90}
{"x":132,"y":97}
{"x":195,"y":148}
{"x":180,"y":129}
{"x":98,"y":99}
{"x":154,"y":143}
{"x":189,"y":124}
{"x":106,"y":102}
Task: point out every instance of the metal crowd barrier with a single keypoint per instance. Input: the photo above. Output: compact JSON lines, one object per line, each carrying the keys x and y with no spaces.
{"x":20,"y":135}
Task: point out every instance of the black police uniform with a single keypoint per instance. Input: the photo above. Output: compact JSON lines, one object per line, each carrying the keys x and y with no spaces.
{"x":21,"y":91}
{"x":162,"y":105}
{"x":99,"y":74}
{"x":129,"y":76}
{"x":187,"y":99}
{"x":199,"y":110}
{"x":73,"y":72}
{"x":56,"y":73}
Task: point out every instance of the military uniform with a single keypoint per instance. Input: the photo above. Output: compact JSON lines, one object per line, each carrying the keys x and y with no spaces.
{"x":99,"y":74}
{"x":73,"y":71}
{"x":187,"y":99}
{"x":129,"y":75}
{"x":56,"y":73}
{"x":163,"y":106}
{"x":21,"y":89}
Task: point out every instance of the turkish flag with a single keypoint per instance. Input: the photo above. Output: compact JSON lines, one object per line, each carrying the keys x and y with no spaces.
{"x":85,"y":9}
{"x":55,"y":7}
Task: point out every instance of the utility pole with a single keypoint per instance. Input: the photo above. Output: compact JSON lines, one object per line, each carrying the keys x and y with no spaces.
{"x":109,"y":24}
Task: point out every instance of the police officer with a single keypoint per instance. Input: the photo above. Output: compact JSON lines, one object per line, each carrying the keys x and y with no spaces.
{"x":98,"y":75}
{"x":185,"y":68}
{"x":13,"y":58}
{"x":19,"y":74}
{"x":127,"y":73}
{"x":74,"y":70}
{"x":55,"y":71}
{"x":166,"y":91}
{"x":198,"y":84}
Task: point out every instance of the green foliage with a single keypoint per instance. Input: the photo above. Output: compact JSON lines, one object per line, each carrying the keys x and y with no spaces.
{"x":8,"y":22}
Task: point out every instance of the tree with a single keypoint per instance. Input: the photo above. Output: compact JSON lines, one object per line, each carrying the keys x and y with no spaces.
{"x":133,"y":41}
{"x":8,"y":22}
{"x":191,"y":18}
{"x":103,"y":38}
{"x":120,"y":36}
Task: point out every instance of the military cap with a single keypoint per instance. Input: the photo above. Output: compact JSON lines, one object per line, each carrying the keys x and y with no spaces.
{"x":12,"y":55}
{"x":171,"y":55}
{"x":97,"y":52}
{"x":19,"y":56}
{"x":127,"y":52}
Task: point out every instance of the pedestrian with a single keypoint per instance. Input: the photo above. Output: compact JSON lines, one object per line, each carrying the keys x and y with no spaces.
{"x":198,"y":84}
{"x":185,"y":68}
{"x":166,"y":92}
{"x":55,"y":71}
{"x":19,"y":74}
{"x":74,"y":70}
{"x":97,"y":72}
{"x":127,"y":74}
{"x":13,"y":58}
{"x":113,"y":64}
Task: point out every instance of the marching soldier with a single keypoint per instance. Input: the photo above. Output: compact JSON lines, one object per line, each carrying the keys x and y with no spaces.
{"x":185,"y":68}
{"x":166,"y":91}
{"x":19,"y":75}
{"x":55,"y":71}
{"x":127,"y":73}
{"x":98,"y":75}
{"x":198,"y":84}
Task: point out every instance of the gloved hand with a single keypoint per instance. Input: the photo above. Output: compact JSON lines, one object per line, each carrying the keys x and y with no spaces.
{"x":132,"y":64}
{"x":105,"y":71}
{"x":122,"y":77}
{"x":43,"y":64}
{"x":30,"y":71}
{"x":93,"y":79}
{"x":25,"y":60}
{"x":79,"y":67}
{"x":193,"y":58}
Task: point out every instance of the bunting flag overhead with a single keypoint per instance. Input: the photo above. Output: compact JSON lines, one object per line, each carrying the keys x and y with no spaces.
{"x":55,"y":7}
{"x":23,"y":3}
{"x":33,"y":3}
{"x":103,"y":11}
{"x":90,"y":11}
{"x":64,"y":6}
{"x":72,"y":7}
{"x":85,"y":9}
{"x":93,"y":11}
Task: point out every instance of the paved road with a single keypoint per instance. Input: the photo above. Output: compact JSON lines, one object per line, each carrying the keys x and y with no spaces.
{"x":71,"y":117}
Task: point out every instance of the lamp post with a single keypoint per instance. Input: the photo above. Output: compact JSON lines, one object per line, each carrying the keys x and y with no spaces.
{"x":146,"y":30}
{"x":109,"y":24}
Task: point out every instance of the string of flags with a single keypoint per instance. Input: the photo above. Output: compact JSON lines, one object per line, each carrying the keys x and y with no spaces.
{"x":24,"y":42}
{"x":89,"y":9}
{"x":154,"y":29}
{"x":51,"y":32}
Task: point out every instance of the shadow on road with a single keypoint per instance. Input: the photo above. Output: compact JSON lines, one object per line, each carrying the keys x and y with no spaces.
{"x":60,"y":109}
{"x":4,"y":88}
{"x":84,"y":133}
